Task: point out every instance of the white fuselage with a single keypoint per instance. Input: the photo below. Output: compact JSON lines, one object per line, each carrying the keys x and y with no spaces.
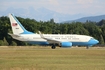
{"x":74,"y":39}
{"x":64,"y":37}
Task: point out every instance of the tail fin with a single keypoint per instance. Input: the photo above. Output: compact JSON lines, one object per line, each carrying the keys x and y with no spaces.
{"x":17,"y":27}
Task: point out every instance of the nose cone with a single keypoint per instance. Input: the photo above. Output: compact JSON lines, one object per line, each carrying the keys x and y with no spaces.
{"x":96,"y":41}
{"x":93,"y":41}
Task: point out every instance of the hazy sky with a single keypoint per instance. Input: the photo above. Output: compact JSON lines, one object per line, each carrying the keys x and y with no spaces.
{"x":88,"y":7}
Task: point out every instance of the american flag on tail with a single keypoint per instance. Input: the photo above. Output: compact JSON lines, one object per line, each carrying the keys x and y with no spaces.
{"x":14,"y":24}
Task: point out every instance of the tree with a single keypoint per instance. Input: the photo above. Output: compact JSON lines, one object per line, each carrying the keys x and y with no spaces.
{"x":5,"y":42}
{"x":13,"y":43}
{"x":1,"y":42}
{"x":101,"y":23}
{"x":101,"y":39}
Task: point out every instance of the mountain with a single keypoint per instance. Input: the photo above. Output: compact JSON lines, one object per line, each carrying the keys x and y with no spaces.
{"x":91,"y":18}
{"x":42,"y":14}
{"x":45,"y":14}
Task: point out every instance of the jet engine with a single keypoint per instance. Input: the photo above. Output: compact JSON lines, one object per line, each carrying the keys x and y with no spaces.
{"x":65,"y":44}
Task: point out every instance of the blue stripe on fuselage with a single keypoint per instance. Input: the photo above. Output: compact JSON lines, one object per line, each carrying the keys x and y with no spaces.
{"x":89,"y":43}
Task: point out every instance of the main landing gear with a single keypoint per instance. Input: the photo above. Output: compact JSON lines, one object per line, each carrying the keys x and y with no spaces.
{"x":87,"y":47}
{"x":53,"y":46}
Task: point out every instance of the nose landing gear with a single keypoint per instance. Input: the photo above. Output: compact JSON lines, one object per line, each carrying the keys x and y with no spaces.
{"x":53,"y":46}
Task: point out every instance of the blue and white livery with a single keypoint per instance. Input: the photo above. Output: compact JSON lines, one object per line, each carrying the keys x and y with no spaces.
{"x":62,"y":40}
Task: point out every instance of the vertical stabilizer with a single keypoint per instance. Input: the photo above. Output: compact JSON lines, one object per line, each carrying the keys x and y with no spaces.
{"x":17,"y":27}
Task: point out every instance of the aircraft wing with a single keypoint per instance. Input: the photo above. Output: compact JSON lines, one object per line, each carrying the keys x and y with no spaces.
{"x":49,"y":40}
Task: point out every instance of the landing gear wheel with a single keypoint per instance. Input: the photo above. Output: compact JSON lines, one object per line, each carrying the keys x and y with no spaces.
{"x":87,"y":47}
{"x":53,"y":47}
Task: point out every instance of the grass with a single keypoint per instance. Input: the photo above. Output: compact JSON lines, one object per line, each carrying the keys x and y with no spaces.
{"x":45,"y":58}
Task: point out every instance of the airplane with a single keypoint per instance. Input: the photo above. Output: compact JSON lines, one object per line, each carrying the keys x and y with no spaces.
{"x":62,"y":40}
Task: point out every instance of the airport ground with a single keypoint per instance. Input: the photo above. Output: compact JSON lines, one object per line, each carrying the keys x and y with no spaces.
{"x":45,"y":58}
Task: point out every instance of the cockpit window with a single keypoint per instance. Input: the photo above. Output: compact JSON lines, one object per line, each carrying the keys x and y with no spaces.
{"x":92,"y":38}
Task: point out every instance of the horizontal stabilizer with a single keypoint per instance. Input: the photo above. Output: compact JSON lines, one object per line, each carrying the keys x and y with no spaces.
{"x":13,"y":35}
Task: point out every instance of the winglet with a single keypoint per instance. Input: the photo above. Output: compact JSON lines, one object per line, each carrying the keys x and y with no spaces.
{"x":41,"y":35}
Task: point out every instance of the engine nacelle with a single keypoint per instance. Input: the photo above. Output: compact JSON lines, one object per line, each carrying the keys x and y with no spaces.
{"x":66,"y":44}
